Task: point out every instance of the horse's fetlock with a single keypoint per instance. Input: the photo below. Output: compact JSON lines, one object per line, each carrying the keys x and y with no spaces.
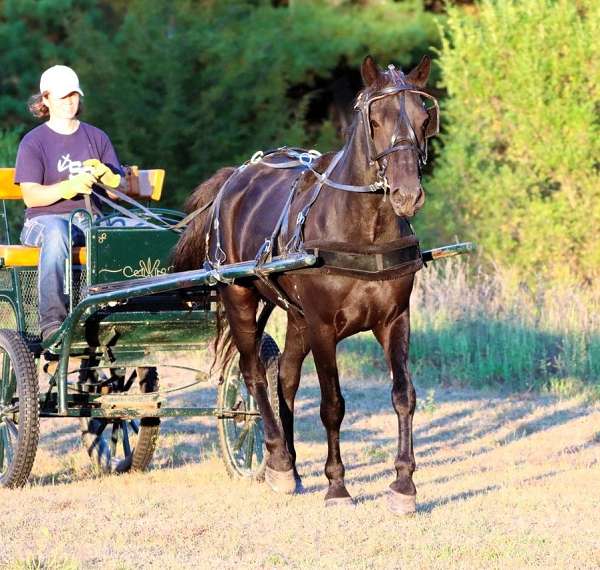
{"x":404,"y":467}
{"x":335,"y":473}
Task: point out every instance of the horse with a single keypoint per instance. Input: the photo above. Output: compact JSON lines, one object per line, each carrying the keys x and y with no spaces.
{"x":353,"y":205}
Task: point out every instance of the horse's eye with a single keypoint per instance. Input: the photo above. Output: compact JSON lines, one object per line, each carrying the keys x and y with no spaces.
{"x":374,"y":124}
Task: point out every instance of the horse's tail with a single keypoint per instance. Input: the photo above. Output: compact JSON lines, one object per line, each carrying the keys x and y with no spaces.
{"x":189,"y":253}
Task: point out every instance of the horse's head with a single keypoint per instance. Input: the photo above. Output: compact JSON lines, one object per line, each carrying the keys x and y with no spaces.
{"x":398,"y":117}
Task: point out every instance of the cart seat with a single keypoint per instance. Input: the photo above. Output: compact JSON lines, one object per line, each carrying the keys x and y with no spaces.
{"x":25,"y":256}
{"x":147,"y":184}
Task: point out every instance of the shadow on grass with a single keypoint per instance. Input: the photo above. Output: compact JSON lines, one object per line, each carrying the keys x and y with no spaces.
{"x":187,"y":441}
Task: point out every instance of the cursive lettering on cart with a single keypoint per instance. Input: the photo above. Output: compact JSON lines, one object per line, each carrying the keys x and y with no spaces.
{"x":147,"y":268}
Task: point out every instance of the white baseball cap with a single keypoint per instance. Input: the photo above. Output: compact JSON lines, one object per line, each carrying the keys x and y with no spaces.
{"x":59,"y":80}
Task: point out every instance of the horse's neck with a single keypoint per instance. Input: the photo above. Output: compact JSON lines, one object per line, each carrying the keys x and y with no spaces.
{"x":353,"y":217}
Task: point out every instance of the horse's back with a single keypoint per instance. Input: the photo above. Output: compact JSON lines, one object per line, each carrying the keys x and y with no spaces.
{"x":251,"y":204}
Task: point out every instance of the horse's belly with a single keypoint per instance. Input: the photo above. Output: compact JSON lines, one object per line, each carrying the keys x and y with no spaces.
{"x":350,"y":305}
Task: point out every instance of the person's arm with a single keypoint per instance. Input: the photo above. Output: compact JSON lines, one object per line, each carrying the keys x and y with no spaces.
{"x":109,"y":157}
{"x":35,"y":195}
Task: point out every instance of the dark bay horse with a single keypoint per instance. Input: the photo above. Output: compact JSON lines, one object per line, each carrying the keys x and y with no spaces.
{"x":365,"y":194}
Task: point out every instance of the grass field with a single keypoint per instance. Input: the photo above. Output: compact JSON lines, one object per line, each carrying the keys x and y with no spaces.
{"x":503,"y":482}
{"x":507,"y":442}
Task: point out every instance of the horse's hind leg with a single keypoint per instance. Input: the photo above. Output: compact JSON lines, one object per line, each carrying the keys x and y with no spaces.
{"x":395,"y":337}
{"x":323,"y":346}
{"x":290,"y":364}
{"x":241,"y":304}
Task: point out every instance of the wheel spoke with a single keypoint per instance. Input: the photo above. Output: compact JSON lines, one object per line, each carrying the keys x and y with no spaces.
{"x":7,"y":380}
{"x":114,"y":438}
{"x":232,"y":394}
{"x":2,"y":429}
{"x":249,"y":447}
{"x":12,"y":428}
{"x":260,"y":441}
{"x":8,"y":450}
{"x":126,"y":444}
{"x":129,"y":382}
{"x":241,"y":439}
{"x":4,"y":378}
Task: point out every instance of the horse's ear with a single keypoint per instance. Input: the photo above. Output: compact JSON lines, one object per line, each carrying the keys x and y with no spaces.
{"x":369,"y":71}
{"x":420,"y":74}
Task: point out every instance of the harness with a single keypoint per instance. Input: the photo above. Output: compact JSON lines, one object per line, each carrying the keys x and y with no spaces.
{"x":368,"y":262}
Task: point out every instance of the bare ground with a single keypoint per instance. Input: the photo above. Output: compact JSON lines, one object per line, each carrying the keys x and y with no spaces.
{"x":503,"y":482}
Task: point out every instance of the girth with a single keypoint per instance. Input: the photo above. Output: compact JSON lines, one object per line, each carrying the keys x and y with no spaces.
{"x":372,"y":262}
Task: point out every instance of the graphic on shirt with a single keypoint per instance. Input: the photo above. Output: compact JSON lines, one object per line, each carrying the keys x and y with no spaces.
{"x":73,"y":166}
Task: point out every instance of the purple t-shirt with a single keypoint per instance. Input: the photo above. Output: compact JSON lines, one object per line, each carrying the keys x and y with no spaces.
{"x":47,"y":157}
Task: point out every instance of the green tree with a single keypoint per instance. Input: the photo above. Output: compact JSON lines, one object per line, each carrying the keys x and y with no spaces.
{"x":193,"y":87}
{"x":519,"y":167}
{"x":190,"y":86}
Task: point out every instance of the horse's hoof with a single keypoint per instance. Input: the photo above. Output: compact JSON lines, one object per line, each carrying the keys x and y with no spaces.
{"x":340,"y":502}
{"x":282,"y":482}
{"x":401,"y":504}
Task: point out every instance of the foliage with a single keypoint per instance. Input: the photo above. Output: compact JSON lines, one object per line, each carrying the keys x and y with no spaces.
{"x":519,"y":170}
{"x":9,"y":140}
{"x":191,"y":86}
{"x":480,"y":329}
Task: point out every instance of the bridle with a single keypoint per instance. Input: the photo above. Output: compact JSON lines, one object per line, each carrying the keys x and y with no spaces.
{"x":398,"y":142}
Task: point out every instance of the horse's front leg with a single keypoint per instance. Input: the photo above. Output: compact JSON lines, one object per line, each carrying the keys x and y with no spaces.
{"x":290,"y":365}
{"x":241,"y":304}
{"x":394,"y":337}
{"x":323,"y":345}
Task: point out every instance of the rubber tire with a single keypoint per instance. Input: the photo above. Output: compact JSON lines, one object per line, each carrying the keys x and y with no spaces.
{"x":149,"y":427}
{"x":269,"y":355}
{"x":17,"y":473}
{"x":147,"y":437}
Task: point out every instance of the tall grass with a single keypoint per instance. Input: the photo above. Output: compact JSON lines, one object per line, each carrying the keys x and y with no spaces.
{"x":478,"y":329}
{"x":482,"y":329}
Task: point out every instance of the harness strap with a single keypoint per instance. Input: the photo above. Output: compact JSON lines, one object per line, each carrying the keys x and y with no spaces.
{"x":324,"y":179}
{"x":126,"y":212}
{"x":295,"y":242}
{"x":132,"y":202}
{"x":193,"y":215}
{"x":266,"y":249}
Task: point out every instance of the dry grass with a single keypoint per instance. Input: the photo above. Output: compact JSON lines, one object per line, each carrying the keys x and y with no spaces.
{"x":503,"y":482}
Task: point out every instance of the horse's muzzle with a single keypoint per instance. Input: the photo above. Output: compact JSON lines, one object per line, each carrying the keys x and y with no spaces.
{"x":407,"y":202}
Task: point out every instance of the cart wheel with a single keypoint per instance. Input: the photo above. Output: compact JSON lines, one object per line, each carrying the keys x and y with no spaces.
{"x":121,"y":445}
{"x":241,"y":438}
{"x":19,"y":410}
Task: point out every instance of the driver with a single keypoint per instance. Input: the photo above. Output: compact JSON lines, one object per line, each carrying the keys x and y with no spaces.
{"x":56,"y":177}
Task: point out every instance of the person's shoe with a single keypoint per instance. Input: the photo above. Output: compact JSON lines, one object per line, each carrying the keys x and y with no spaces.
{"x":48,"y":332}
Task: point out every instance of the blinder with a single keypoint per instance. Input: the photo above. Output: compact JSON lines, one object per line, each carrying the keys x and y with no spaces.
{"x":411,"y":141}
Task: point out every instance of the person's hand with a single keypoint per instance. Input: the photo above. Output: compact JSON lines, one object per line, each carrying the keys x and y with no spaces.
{"x":103,"y":173}
{"x":79,"y":184}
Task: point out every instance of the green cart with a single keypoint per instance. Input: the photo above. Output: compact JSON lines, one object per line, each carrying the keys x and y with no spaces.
{"x":128,"y":315}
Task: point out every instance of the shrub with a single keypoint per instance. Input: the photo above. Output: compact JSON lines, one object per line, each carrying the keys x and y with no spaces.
{"x":519,"y":167}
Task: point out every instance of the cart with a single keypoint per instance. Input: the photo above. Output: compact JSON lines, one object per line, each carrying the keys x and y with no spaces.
{"x":101,"y":365}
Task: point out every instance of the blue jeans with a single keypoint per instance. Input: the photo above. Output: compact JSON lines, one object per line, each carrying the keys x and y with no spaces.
{"x":51,"y":233}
